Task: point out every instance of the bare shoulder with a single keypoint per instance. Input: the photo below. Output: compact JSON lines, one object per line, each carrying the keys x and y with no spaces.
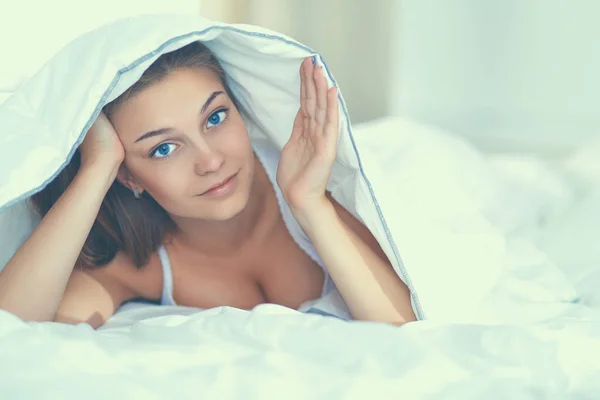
{"x":145,"y":282}
{"x":93,"y":295}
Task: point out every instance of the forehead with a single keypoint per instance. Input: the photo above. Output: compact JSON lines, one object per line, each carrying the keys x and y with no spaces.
{"x":165,"y":103}
{"x":178,"y":84}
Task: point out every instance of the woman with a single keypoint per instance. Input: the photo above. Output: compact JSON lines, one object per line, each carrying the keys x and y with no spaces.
{"x":167,"y":200}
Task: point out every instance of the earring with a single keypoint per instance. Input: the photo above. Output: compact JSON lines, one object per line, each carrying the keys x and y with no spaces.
{"x":136,"y":193}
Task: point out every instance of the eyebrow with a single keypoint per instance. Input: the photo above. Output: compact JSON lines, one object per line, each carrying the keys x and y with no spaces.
{"x":164,"y":131}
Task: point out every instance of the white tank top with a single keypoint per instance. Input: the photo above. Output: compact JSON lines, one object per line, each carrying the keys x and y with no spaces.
{"x":268,"y":156}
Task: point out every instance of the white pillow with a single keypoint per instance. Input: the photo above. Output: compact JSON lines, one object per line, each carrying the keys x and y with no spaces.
{"x":458,"y":203}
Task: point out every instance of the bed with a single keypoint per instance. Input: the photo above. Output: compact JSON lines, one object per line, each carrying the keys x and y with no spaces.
{"x":147,"y":351}
{"x":544,"y":209}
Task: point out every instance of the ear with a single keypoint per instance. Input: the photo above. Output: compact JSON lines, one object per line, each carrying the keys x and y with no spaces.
{"x":126,"y":179}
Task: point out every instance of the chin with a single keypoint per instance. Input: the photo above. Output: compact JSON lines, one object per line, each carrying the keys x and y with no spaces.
{"x":224,"y":212}
{"x":226,"y":209}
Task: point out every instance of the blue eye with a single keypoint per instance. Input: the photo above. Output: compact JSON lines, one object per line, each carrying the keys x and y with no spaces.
{"x":216,"y":118}
{"x":163,"y":150}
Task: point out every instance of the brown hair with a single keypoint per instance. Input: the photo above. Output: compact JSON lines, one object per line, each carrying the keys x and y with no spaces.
{"x":135,"y":226}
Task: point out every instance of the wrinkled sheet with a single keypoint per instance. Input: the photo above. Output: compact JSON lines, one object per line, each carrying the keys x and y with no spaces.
{"x":153,"y":352}
{"x":275,"y":353}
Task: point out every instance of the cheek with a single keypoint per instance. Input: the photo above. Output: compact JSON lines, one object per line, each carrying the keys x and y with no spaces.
{"x":236,"y":141}
{"x":162,"y":181}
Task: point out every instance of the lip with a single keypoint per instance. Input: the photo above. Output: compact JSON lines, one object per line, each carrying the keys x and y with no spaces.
{"x":221,"y":189}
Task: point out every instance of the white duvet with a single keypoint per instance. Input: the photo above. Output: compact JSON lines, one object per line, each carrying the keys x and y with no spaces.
{"x":489,"y":245}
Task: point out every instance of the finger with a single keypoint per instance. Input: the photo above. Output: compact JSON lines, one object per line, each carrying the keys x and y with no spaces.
{"x":306,"y":124}
{"x":311,"y":95}
{"x":298,"y":127}
{"x":332,"y":123}
{"x":303,"y":89}
{"x":321,"y":91}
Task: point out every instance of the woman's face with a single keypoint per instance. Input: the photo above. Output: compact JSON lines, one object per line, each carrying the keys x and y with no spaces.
{"x":183,"y":137}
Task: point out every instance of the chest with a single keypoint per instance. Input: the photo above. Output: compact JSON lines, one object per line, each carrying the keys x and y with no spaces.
{"x":278,"y":271}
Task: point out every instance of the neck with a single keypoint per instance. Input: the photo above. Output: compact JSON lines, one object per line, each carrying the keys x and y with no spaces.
{"x":220,"y":238}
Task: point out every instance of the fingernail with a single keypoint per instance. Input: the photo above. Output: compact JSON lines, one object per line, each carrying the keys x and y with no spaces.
{"x":314,"y":59}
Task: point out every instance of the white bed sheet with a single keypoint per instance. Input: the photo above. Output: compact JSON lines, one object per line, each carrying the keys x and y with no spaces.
{"x":271,"y":352}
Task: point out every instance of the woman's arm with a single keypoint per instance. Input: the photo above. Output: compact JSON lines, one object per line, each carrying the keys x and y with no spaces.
{"x":364,"y":277}
{"x":33,"y":282}
{"x":92,"y":297}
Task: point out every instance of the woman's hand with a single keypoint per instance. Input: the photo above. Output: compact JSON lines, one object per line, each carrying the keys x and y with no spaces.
{"x":101,"y":144}
{"x":307,"y":158}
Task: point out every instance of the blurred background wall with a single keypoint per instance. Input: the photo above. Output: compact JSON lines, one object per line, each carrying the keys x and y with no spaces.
{"x":506,"y":74}
{"x":521,"y":73}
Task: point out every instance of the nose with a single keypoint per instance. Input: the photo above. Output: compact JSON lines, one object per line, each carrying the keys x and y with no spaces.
{"x":208,"y":160}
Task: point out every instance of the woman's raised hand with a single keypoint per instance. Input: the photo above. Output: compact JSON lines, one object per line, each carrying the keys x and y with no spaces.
{"x":307,"y":158}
